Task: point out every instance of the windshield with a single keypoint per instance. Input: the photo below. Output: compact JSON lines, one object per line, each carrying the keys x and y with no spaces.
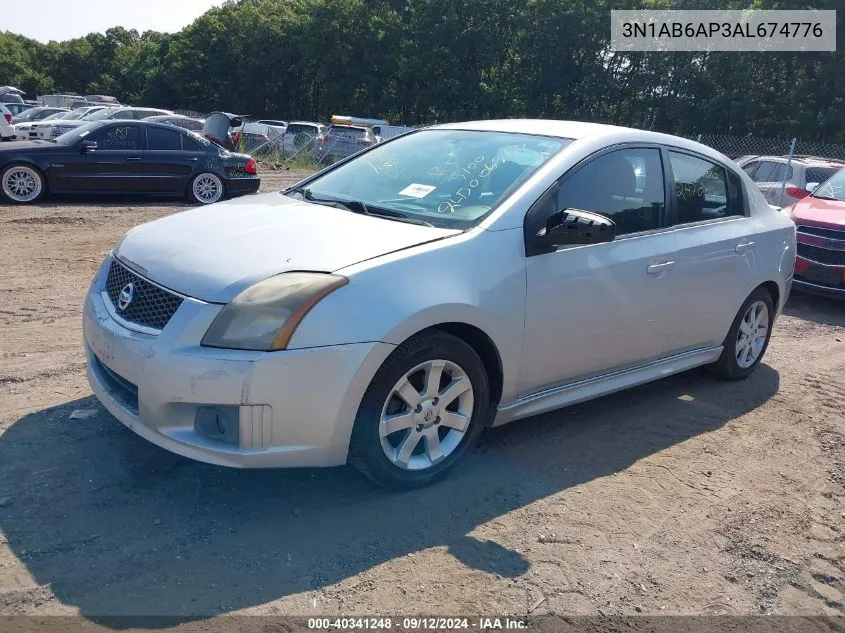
{"x":77,"y":134}
{"x":832,"y":189}
{"x":99,"y":114}
{"x":448,"y":178}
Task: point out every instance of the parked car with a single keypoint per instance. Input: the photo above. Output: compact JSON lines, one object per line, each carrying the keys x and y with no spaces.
{"x":110,"y":112}
{"x":102,"y":100}
{"x":125,"y":157}
{"x":345,"y":140}
{"x":384,"y":132}
{"x":255,"y":136}
{"x":805,"y":173}
{"x":273,"y":122}
{"x":61,"y":122}
{"x":304,"y":136}
{"x":10,"y":94}
{"x":820,"y":220}
{"x":385,"y":310}
{"x":7,"y":132}
{"x":37,"y":114}
{"x":17,"y":108}
{"x":186,"y":122}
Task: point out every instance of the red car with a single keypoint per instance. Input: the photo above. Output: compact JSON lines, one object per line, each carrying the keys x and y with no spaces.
{"x":820,"y":220}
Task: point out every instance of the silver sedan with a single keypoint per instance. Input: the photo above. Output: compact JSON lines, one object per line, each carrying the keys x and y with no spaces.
{"x":386,"y":310}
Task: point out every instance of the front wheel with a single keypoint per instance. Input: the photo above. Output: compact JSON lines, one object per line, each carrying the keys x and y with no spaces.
{"x":206,"y":188}
{"x":422,"y":412}
{"x":21,"y":184}
{"x":748,"y":337}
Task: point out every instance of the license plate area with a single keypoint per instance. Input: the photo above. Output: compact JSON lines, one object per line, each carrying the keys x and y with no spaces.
{"x":824,"y":275}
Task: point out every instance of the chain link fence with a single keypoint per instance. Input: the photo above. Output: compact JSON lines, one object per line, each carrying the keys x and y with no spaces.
{"x":738,"y":146}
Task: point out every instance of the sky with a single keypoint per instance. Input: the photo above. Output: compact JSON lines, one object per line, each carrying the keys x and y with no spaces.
{"x":63,"y":20}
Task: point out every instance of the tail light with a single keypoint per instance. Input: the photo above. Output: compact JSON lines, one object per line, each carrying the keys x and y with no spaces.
{"x":797,"y":192}
{"x":8,"y":118}
{"x":251,"y":167}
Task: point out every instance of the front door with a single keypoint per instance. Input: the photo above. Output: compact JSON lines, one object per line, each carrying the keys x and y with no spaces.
{"x":113,"y":166}
{"x":592,"y":309}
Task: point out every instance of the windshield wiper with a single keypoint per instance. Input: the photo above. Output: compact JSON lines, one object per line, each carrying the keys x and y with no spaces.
{"x":824,"y":197}
{"x":358,"y":206}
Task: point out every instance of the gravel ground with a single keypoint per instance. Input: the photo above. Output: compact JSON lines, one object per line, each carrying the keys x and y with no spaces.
{"x":686,"y":496}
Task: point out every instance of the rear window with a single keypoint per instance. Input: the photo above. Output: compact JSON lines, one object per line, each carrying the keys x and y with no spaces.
{"x":299,"y":129}
{"x":820,"y":174}
{"x":342,"y":131}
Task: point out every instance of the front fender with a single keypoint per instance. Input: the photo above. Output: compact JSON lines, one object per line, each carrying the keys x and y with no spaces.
{"x":477,"y":278}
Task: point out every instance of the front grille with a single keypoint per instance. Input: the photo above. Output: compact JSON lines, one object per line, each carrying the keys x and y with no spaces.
{"x":151,"y":305}
{"x":821,"y":255}
{"x":820,"y":232}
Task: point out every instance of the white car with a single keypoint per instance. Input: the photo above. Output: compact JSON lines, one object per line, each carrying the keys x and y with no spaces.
{"x":7,"y":132}
{"x":385,"y":310}
{"x":57,"y":124}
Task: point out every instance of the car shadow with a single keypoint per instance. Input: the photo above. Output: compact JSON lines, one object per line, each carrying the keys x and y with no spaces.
{"x":118,"y":527}
{"x":815,"y":308}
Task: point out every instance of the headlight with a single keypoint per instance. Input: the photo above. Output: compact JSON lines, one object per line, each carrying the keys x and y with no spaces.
{"x":264,"y":316}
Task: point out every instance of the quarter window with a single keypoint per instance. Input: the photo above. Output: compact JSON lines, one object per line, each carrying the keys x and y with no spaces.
{"x":625,"y":186}
{"x":702,"y":191}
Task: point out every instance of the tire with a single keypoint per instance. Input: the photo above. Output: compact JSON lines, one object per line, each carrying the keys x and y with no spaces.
{"x":433,"y":426}
{"x":21,"y":183}
{"x":734,"y":363}
{"x":206,"y":188}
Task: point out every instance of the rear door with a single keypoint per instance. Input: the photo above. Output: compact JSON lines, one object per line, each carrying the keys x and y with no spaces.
{"x":114,"y":166}
{"x":166,"y":166}
{"x":715,"y":254}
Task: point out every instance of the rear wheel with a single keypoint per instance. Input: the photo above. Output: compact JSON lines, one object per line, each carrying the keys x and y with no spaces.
{"x":748,"y":338}
{"x":206,"y":188}
{"x":423,"y":411}
{"x":21,"y":184}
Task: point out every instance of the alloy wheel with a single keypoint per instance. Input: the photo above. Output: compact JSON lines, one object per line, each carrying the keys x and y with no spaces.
{"x":751,"y":337}
{"x":22,"y":184}
{"x":426,"y":415}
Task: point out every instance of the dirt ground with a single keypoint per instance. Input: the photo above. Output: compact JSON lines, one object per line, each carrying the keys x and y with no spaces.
{"x":686,"y":496}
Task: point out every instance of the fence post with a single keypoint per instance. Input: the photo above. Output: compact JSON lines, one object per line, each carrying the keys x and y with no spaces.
{"x":788,"y":164}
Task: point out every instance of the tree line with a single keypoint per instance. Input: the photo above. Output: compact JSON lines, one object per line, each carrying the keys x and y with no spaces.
{"x":424,"y":61}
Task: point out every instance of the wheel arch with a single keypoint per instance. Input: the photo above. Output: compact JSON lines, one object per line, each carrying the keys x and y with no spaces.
{"x":28,"y":162}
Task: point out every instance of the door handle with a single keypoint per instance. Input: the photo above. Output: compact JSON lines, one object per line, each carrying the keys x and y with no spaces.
{"x":133,"y":158}
{"x":191,"y":160}
{"x":744,"y":247}
{"x":656,"y":269}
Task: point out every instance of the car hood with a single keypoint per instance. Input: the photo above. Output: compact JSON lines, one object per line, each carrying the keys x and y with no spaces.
{"x":27,"y":146}
{"x":213,"y":253}
{"x":818,"y":212}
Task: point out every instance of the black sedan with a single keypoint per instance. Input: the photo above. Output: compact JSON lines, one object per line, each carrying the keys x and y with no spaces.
{"x":125,"y":157}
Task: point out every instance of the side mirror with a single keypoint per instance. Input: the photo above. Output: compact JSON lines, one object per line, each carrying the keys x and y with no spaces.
{"x":574,"y":226}
{"x":87,"y":147}
{"x":812,"y":186}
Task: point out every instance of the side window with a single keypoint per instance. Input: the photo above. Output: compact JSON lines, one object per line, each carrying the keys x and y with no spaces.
{"x":161,"y":139}
{"x":625,"y":186}
{"x":701,"y":190}
{"x":118,"y":137}
{"x":189,"y":144}
{"x":767,"y":172}
{"x":750,"y":167}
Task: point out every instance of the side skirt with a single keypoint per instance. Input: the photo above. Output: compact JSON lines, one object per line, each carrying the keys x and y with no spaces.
{"x":589,"y":388}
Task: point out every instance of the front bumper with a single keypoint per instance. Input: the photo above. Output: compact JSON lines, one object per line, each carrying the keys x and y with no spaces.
{"x":833,"y":289}
{"x":294,"y":407}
